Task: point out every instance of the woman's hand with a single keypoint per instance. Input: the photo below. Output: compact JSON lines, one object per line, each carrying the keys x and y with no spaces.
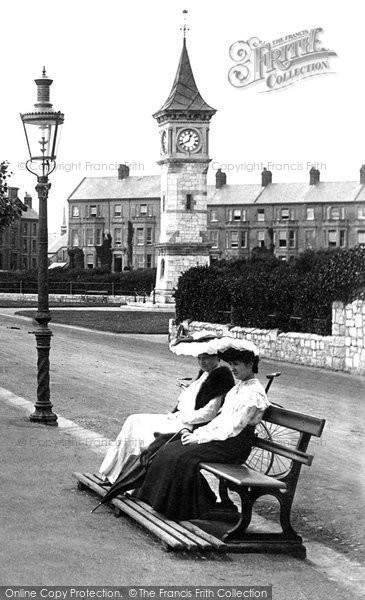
{"x":188,"y":437}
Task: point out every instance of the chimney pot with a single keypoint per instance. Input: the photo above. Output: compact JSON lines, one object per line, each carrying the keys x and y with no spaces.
{"x":28,"y":200}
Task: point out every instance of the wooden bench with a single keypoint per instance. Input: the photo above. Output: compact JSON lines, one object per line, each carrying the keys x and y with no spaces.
{"x":95,"y":294}
{"x":219,"y":535}
{"x":251,"y":485}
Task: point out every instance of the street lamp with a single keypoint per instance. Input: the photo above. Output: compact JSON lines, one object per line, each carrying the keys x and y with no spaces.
{"x":42,"y":129}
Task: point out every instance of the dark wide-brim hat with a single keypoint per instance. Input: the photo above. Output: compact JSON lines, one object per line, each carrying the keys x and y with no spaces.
{"x":203,"y":342}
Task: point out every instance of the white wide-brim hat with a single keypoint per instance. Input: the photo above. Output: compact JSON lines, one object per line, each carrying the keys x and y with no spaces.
{"x":203,"y":342}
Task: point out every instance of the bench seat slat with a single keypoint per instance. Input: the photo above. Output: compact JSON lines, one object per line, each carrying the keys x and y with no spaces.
{"x":294,"y":420}
{"x":243,"y":476}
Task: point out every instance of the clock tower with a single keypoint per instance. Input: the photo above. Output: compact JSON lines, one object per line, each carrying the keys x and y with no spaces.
{"x":184,"y":159}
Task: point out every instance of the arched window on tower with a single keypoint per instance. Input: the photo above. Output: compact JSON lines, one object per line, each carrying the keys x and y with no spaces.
{"x":162,"y":268}
{"x":189,"y":201}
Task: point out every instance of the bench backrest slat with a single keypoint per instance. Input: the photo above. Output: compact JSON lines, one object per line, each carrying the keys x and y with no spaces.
{"x":291,"y":453}
{"x":294,"y":420}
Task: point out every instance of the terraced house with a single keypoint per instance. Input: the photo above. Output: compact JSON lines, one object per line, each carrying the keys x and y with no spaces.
{"x":18,"y":242}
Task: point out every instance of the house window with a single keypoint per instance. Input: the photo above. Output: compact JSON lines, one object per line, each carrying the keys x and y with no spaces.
{"x":139,"y":261}
{"x":89,"y":261}
{"x":34,"y":263}
{"x":93,"y":210}
{"x":189,"y":201}
{"x":234,"y":239}
{"x":333,"y":213}
{"x":34,"y":245}
{"x":139,"y":236}
{"x":89,"y":237}
{"x":34,"y":229}
{"x":261,"y":238}
{"x":332,"y":238}
{"x":150,"y":210}
{"x":75,"y":211}
{"x":98,"y":237}
{"x":24,"y":246}
{"x":361,"y":237}
{"x":310,"y":214}
{"x":149,"y":261}
{"x":117,"y":236}
{"x":342,"y":237}
{"x":213,"y":215}
{"x":213,"y":235}
{"x":229,"y":214}
{"x":117,"y":210}
{"x":25,"y":263}
{"x":25,"y":228}
{"x":309,"y":238}
{"x":285,"y":215}
{"x":149,"y":236}
{"x":243,"y":239}
{"x":143,"y":210}
{"x":292,"y":239}
{"x":244,"y":214}
{"x":74,"y":238}
{"x":237,"y":214}
{"x":361,"y":213}
{"x":282,"y":239}
{"x":261,"y":214}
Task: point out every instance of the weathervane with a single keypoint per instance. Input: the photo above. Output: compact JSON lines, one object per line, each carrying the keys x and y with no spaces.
{"x":184,"y":28}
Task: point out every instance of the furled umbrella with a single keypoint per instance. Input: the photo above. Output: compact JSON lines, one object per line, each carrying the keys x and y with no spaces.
{"x":135,"y":469}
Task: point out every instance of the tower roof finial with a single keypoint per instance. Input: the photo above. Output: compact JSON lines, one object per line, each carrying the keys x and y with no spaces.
{"x":184,"y":28}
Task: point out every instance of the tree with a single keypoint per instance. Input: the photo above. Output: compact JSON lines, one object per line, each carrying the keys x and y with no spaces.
{"x":104,"y":253}
{"x":10,"y":209}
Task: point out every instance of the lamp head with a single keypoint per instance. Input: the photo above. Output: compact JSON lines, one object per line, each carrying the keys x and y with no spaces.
{"x":42,"y":127}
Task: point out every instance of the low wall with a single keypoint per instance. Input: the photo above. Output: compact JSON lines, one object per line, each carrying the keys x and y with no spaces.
{"x":343,"y":351}
{"x":67,"y":298}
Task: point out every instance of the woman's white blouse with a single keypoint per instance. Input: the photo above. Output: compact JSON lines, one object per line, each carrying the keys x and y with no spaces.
{"x":244,"y":405}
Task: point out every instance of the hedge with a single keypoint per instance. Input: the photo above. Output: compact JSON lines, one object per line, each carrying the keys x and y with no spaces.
{"x":265,"y":292}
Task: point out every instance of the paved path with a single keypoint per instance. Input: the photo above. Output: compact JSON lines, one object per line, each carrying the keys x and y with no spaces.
{"x":97,"y":379}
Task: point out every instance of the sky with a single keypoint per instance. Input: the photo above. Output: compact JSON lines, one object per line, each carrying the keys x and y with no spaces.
{"x":113,"y":65}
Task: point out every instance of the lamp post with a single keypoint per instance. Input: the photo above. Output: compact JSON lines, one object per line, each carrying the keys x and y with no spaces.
{"x":42,"y":129}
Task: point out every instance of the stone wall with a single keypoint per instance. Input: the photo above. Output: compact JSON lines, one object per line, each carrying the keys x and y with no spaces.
{"x":344,"y":350}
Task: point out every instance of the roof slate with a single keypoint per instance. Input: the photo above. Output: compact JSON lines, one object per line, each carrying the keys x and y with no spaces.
{"x":58,"y":243}
{"x":103,"y":188}
{"x":30,"y":214}
{"x":184,"y":95}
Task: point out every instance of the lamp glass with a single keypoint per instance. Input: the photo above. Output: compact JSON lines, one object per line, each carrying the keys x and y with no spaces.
{"x":42,"y":132}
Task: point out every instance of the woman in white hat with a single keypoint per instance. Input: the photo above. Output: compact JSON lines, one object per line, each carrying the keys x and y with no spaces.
{"x":197,"y":404}
{"x":173,"y":484}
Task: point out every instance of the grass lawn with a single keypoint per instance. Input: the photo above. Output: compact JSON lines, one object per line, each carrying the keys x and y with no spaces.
{"x":116,"y":321}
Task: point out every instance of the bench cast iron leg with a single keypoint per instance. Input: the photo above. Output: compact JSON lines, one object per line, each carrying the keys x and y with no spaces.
{"x":237,"y":532}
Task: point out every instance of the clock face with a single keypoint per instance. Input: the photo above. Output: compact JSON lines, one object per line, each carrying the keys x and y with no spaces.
{"x":188,"y":140}
{"x":164,"y":141}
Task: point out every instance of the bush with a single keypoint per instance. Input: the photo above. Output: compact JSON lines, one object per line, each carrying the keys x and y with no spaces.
{"x":264,"y":292}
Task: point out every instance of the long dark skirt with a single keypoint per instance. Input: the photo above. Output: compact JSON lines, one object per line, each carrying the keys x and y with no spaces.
{"x":173,"y":484}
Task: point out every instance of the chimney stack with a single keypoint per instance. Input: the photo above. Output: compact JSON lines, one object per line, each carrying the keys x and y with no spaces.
{"x":314,"y":176}
{"x":12,"y":193}
{"x":123,"y":171}
{"x":266,"y":177}
{"x":362,"y":175}
{"x":28,"y":200}
{"x":220,"y":179}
